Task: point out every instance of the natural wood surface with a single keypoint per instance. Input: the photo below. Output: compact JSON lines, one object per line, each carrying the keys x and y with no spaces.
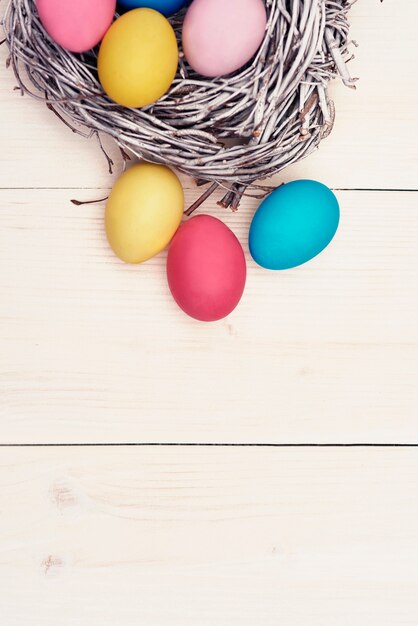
{"x":93,"y":351}
{"x":237,"y":537}
{"x":327,"y":352}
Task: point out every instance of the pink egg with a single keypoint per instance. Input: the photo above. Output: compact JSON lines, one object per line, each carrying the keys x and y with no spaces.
{"x":220,"y":36}
{"x":76,"y":25}
{"x":206,"y":268}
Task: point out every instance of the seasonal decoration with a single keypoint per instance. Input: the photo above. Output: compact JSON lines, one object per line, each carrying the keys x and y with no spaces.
{"x":206,"y":268}
{"x":221,"y":37}
{"x":229,"y":131}
{"x":229,"y":93}
{"x":77,"y":25}
{"x":294,"y":224}
{"x":143,"y":212}
{"x":166,"y":7}
{"x":138,"y":58}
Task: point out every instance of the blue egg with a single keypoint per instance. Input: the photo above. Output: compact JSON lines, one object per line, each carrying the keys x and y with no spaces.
{"x":293,"y":224}
{"x":166,"y":7}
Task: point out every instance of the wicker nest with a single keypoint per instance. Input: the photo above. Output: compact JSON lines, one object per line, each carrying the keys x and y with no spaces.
{"x":230,"y":131}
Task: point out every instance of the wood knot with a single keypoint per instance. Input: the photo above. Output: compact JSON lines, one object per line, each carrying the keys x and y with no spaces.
{"x":63,"y":495}
{"x":231,"y":330}
{"x":52,"y":565}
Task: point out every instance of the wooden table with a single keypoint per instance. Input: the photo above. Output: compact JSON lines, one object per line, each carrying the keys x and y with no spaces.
{"x":159,"y":471}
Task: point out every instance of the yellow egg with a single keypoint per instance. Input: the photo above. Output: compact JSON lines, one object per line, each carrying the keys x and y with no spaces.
{"x":143,"y":212}
{"x":138,"y":58}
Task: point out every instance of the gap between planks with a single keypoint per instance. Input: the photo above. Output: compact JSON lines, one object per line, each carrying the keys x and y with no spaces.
{"x":208,"y":445}
{"x":368,"y":189}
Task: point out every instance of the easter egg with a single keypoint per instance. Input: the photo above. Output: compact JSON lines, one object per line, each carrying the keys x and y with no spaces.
{"x":206,"y":268}
{"x":293,"y":224}
{"x":138,"y":58}
{"x":166,"y":7}
{"x":143,"y":212}
{"x":76,"y":25}
{"x":219,"y":36}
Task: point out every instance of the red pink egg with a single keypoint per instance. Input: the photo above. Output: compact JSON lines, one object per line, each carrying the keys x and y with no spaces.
{"x":206,"y":269}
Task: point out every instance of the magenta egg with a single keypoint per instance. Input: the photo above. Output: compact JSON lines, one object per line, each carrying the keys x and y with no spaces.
{"x":76,"y":25}
{"x":206,"y":268}
{"x":221,"y":36}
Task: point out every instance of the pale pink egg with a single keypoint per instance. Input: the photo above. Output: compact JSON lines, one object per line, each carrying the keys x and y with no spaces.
{"x":76,"y":25}
{"x":220,"y":36}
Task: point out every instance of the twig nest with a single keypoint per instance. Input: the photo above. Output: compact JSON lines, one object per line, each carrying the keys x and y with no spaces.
{"x":232,"y":130}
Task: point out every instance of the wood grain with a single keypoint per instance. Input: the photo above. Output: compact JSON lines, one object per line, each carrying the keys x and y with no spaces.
{"x":373,"y":144}
{"x":96,"y":351}
{"x":235,"y":537}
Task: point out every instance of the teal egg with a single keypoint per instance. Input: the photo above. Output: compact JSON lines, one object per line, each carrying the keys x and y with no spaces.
{"x":293,"y":224}
{"x":166,"y":7}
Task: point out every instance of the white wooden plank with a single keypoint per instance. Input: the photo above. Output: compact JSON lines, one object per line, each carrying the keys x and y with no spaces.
{"x":179,"y":537}
{"x":372,"y":145}
{"x":94,"y":350}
